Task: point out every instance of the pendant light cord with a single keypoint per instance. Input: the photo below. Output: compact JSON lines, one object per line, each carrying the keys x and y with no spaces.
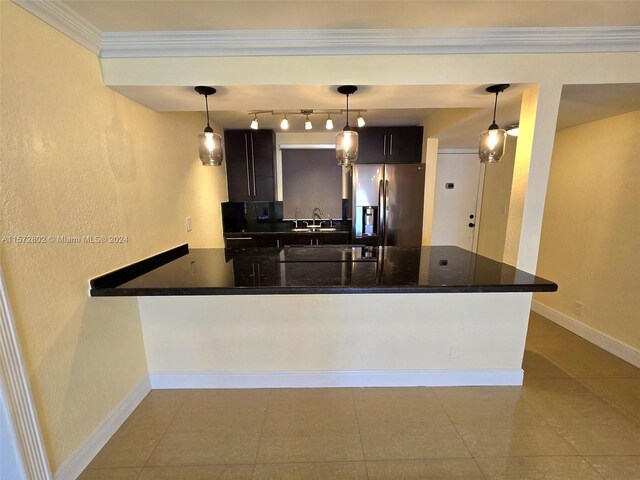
{"x":347,"y":109}
{"x":495,"y":107}
{"x":206,"y":102}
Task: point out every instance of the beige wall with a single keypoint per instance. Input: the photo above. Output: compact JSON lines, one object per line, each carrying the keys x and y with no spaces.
{"x":79,"y":159}
{"x":591,"y":233}
{"x":495,"y":204}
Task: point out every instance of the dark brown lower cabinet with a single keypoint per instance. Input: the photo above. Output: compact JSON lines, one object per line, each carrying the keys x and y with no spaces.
{"x":286,"y":239}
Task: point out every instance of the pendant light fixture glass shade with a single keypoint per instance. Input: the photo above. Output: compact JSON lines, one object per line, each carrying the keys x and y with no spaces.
{"x":360,"y":121}
{"x":254,"y":123}
{"x":329,"y":124}
{"x":493,"y":139}
{"x":307,"y":123}
{"x":284,"y":124}
{"x":347,"y":139}
{"x":209,"y":142}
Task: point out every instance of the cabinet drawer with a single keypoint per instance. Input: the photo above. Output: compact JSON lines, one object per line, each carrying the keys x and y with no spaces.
{"x":251,"y":241}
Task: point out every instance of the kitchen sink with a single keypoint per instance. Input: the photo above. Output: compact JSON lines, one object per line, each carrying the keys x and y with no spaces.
{"x":327,"y":229}
{"x":300,"y":229}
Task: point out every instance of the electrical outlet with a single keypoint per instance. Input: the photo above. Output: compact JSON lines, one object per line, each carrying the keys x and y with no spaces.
{"x":577,"y":308}
{"x":188,"y":222}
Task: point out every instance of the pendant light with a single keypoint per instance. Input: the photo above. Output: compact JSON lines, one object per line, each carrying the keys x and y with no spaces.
{"x":347,"y":139}
{"x":493,"y":139}
{"x":209,"y":142}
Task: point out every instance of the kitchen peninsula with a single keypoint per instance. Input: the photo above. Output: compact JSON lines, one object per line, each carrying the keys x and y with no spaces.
{"x":328,"y":316}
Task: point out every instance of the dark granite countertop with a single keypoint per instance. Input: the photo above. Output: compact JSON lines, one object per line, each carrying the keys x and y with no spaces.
{"x":316,"y":270}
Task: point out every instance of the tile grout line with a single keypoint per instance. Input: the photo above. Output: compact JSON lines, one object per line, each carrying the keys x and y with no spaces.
{"x":456,"y":429}
{"x":355,"y":411}
{"x":264,"y":421}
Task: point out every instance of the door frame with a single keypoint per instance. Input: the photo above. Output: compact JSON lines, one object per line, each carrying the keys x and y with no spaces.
{"x":22,"y":416}
{"x":479,"y":192}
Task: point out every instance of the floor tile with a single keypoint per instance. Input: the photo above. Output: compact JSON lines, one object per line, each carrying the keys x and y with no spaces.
{"x":433,"y":469}
{"x":624,"y":392}
{"x":536,"y":365}
{"x":583,"y":359}
{"x":590,"y":424}
{"x":311,"y":471}
{"x":201,"y":448}
{"x":206,"y":472}
{"x":617,"y":468}
{"x":537,"y":468}
{"x":543,"y":327}
{"x":110,"y":474}
{"x":496,"y":422}
{"x":213,"y":399}
{"x":221,"y":421}
{"x":315,"y":448}
{"x":405,"y":424}
{"x":129,"y":447}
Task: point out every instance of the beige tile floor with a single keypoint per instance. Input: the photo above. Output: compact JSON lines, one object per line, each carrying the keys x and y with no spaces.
{"x":576,"y":417}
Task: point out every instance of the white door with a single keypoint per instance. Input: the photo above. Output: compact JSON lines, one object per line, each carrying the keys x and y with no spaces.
{"x":456,"y":206}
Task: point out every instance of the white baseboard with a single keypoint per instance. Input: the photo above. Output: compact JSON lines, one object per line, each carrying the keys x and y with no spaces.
{"x":74,"y":465}
{"x":407,"y":378}
{"x":620,"y":349}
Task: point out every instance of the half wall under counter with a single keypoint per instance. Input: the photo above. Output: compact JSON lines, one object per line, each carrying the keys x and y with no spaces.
{"x":430,"y":316}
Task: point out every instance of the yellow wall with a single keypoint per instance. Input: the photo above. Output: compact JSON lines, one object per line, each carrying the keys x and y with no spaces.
{"x":495,"y":204}
{"x":590,"y":233}
{"x":79,"y":159}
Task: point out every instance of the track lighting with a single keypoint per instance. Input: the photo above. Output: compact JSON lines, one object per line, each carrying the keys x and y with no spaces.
{"x":254,"y":122}
{"x":209,"y":142}
{"x":329,"y":124}
{"x":307,"y":123}
{"x":492,"y":140}
{"x":347,"y":139}
{"x":284,"y":124}
{"x":360,"y":120}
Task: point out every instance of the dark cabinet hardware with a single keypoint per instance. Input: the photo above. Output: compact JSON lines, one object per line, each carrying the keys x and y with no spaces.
{"x":472,"y":225}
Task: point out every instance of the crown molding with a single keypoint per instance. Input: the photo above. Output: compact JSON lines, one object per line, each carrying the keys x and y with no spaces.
{"x":221,"y":43}
{"x":64,"y":19}
{"x":369,"y":41}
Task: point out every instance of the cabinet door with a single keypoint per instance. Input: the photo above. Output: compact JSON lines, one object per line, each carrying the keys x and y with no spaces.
{"x":404,"y":145}
{"x":262,"y":152}
{"x":372,"y":144}
{"x":238,"y":165}
{"x":341,"y":238}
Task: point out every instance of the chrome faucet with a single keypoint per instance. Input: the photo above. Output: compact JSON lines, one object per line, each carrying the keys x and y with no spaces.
{"x":317,"y":213}
{"x":296,"y":217}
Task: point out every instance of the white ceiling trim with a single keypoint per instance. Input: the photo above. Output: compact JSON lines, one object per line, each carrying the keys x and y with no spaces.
{"x":64,"y":19}
{"x":332,"y":41}
{"x":370,"y":41}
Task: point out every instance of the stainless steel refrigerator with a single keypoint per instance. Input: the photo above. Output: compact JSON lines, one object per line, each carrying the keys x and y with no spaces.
{"x":387,"y":204}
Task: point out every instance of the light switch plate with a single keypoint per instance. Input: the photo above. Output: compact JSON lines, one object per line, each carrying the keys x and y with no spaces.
{"x":188,"y":222}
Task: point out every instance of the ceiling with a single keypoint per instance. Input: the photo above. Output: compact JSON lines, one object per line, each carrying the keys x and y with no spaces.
{"x":464,"y":109}
{"x":167,"y":15}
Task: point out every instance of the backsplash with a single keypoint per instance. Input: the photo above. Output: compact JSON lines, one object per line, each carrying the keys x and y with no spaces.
{"x":241,"y":215}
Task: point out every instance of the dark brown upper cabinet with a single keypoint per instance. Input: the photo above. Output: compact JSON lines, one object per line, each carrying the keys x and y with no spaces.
{"x":250,"y":157}
{"x":390,"y":144}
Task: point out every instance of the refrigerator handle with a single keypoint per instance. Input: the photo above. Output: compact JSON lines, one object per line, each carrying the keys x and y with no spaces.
{"x":386,"y":217}
{"x":381,"y":212}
